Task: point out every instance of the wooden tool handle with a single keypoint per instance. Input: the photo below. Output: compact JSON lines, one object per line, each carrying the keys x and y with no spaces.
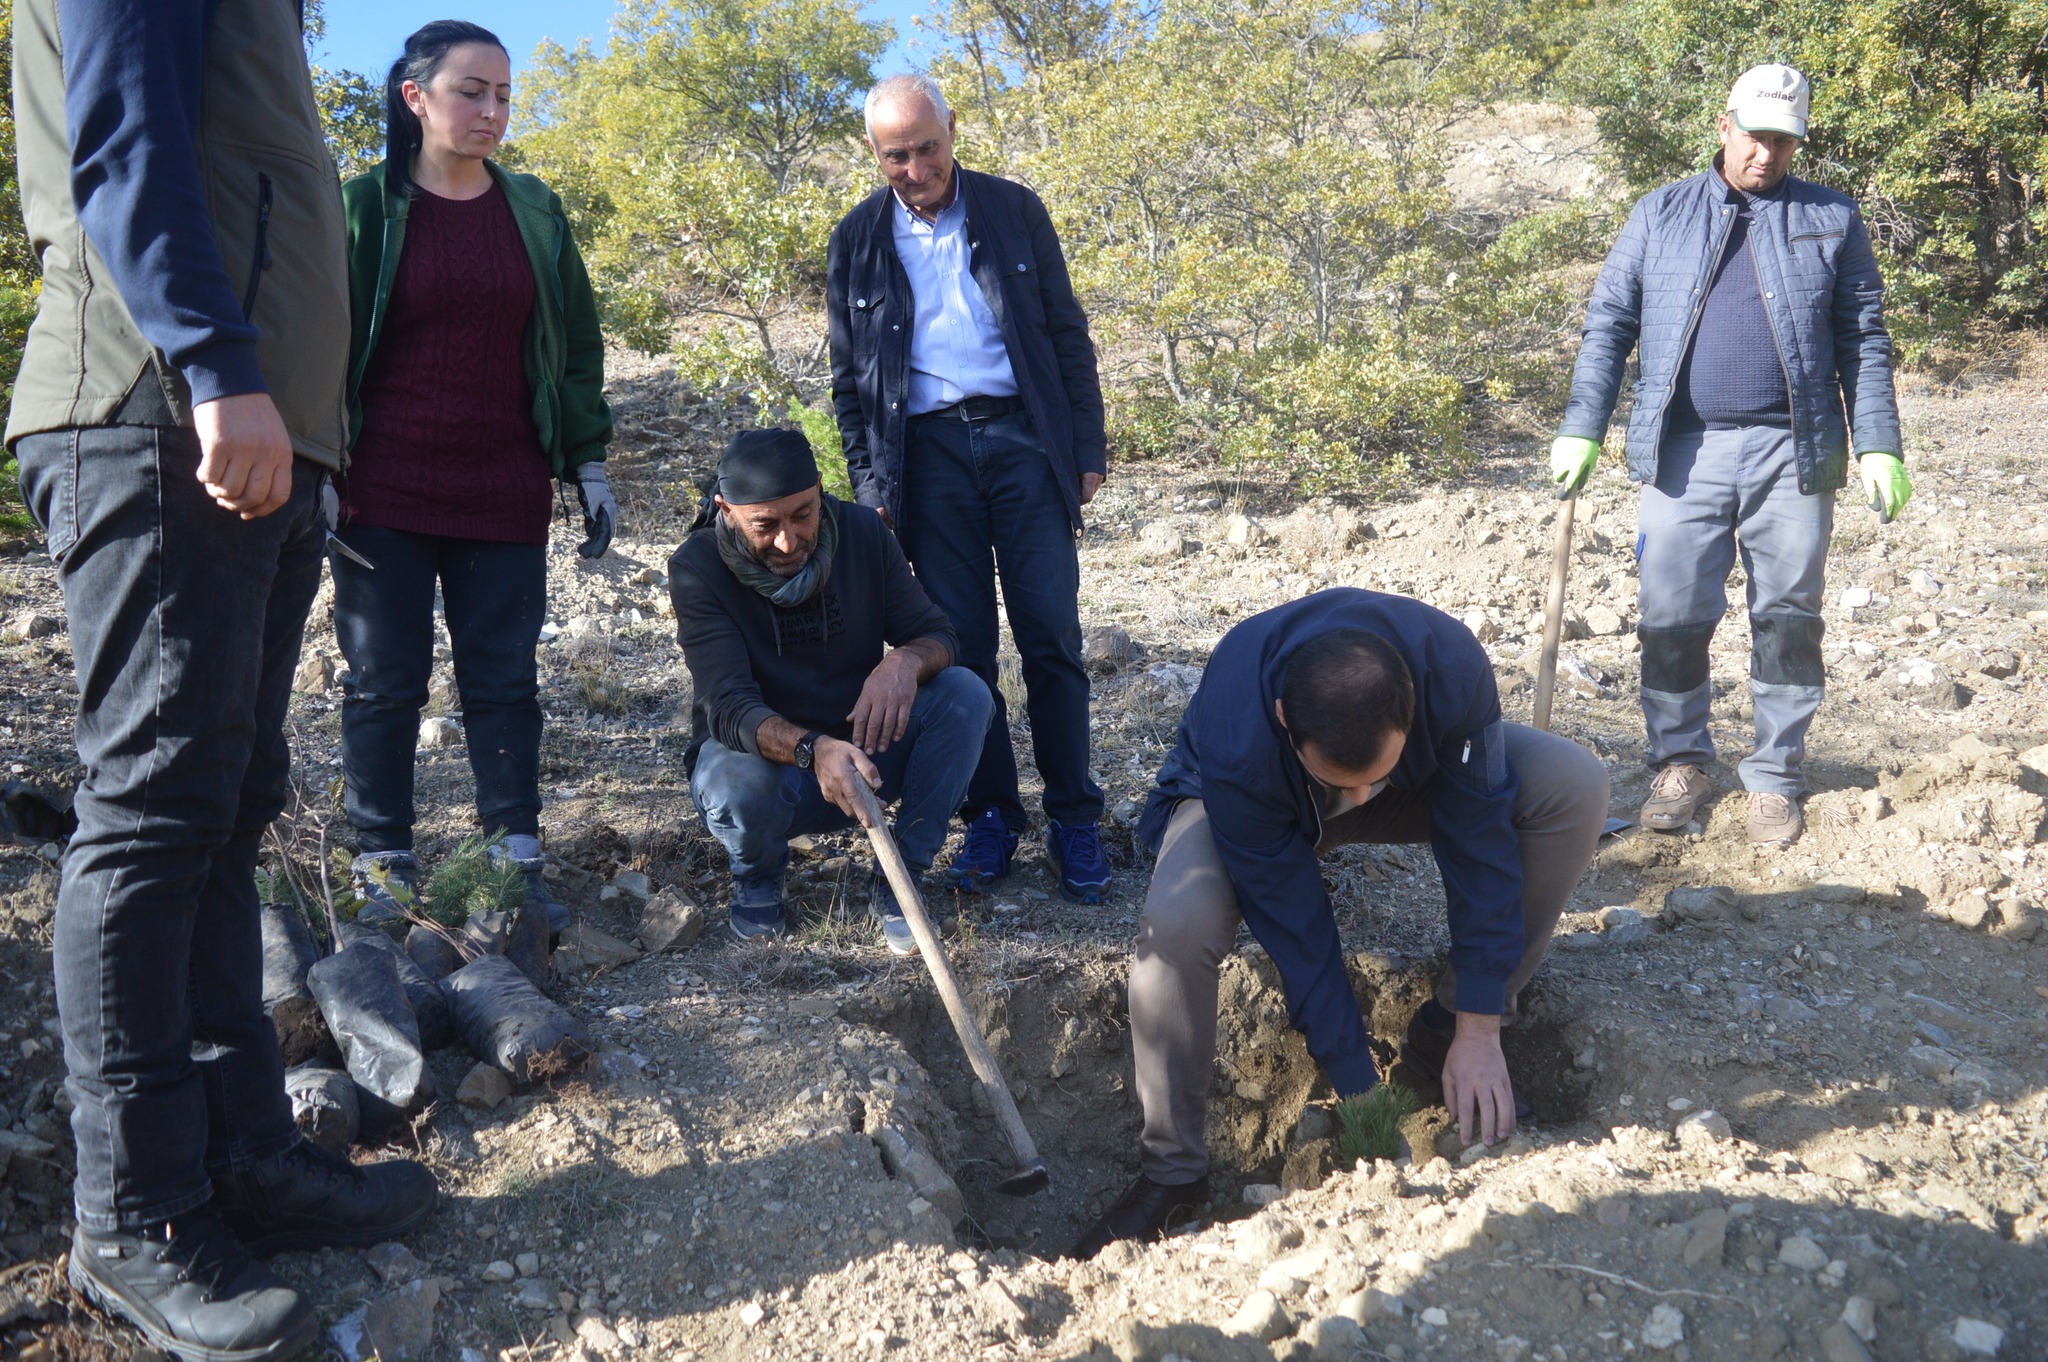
{"x":1553,"y":613}
{"x":934,"y":953}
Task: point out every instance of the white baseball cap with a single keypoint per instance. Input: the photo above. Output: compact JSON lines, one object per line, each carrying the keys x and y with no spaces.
{"x":1770,"y":98}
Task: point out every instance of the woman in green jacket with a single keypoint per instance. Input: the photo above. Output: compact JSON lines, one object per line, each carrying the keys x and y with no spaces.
{"x":475,"y":382}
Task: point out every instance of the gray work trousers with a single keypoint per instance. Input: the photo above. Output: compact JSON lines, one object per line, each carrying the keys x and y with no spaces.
{"x":1716,"y":490}
{"x":1190,"y":924}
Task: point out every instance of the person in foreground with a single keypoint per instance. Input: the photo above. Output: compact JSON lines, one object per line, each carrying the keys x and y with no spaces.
{"x":178,"y":408}
{"x":818,"y":662}
{"x":970,"y":410}
{"x":1346,"y":716}
{"x":476,"y":380}
{"x":1755,"y":306}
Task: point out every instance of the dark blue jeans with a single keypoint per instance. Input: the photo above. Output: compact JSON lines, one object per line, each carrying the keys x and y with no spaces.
{"x":496,"y":599}
{"x":754,"y":806}
{"x":981,"y":504}
{"x":185,"y":629}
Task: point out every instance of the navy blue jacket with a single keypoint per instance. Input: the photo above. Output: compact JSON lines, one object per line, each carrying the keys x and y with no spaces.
{"x":1265,"y":812}
{"x":1015,"y":255}
{"x":1822,"y":293}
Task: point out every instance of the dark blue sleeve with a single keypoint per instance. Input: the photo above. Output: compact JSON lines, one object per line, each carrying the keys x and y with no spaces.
{"x":1279,"y":885}
{"x":1479,"y":854}
{"x":133,"y":77}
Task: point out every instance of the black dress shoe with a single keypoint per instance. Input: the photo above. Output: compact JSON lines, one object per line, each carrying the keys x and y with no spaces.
{"x":193,"y":1291}
{"x":1144,"y":1212}
{"x":307,"y":1198}
{"x":1425,"y":1048}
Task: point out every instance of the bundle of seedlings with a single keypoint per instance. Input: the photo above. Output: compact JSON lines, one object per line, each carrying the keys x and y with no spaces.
{"x":507,"y":1021}
{"x":365,"y":1004}
{"x":429,"y":1006}
{"x":1369,"y":1124}
{"x":483,"y":898}
{"x":288,"y":952}
{"x":324,"y":1105}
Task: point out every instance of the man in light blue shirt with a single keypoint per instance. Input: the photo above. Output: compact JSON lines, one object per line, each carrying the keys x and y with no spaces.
{"x":964,"y":381}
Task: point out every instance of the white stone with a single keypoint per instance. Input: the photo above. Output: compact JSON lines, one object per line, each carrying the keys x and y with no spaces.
{"x":1860,"y":1314}
{"x":499,"y":1271}
{"x":1261,"y":1316}
{"x":1436,"y":1315}
{"x":752,"y":1314}
{"x":438,"y":732}
{"x":1856,"y":597}
{"x":1977,"y":1337}
{"x":1665,"y":1327}
{"x":1802,"y":1253}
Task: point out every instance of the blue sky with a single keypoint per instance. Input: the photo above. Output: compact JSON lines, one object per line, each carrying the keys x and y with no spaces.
{"x":364,"y":35}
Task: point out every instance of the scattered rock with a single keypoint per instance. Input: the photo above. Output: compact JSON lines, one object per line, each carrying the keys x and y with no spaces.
{"x":484,"y":1087}
{"x":315,"y":675}
{"x":1922,"y":681}
{"x":672,"y":920}
{"x":1261,"y":1317}
{"x":586,"y":948}
{"x":1856,"y":597}
{"x":1839,"y":1344}
{"x":528,"y":1264}
{"x":1363,"y":1307}
{"x":752,"y":1314}
{"x":1603,"y":621}
{"x":1335,"y":1338}
{"x":1624,"y":926}
{"x":1931,"y":1061}
{"x":1802,"y":1254}
{"x":1707,"y":1240}
{"x":1701,"y":903}
{"x":29,"y":624}
{"x":437,"y":732}
{"x":393,"y":1263}
{"x":1665,"y":1328}
{"x":1263,"y":1238}
{"x":1871,"y":807}
{"x":498,"y":1271}
{"x":1703,"y":1130}
{"x":1481,"y":624}
{"x":1859,"y":1313}
{"x":399,"y":1327}
{"x":1976,"y":1337}
{"x":1162,"y":539}
{"x":1171,"y":683}
{"x":1787,"y":1010}
{"x":1923,"y":583}
{"x":633,"y":884}
{"x":1246,"y":533}
{"x":1107,"y":649}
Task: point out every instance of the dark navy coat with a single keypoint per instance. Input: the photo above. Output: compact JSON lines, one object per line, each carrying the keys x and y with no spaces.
{"x":1265,"y":812}
{"x":1015,"y":256}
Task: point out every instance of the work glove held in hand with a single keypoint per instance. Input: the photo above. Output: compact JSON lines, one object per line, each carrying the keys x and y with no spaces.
{"x":1572,"y":458}
{"x":1886,"y":488}
{"x":600,"y":510}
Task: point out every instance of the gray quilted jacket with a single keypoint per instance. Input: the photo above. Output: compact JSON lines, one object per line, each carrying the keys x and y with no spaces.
{"x":1821,"y":290}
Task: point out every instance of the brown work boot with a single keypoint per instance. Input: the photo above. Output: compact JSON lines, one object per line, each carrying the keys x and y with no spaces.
{"x":1774,"y":819}
{"x":1675,"y":796}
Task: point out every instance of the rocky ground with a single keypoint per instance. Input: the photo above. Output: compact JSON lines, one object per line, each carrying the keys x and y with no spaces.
{"x":1790,"y":1104}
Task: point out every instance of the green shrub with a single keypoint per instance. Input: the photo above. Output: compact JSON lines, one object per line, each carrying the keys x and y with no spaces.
{"x":470,"y":881}
{"x":821,"y":428}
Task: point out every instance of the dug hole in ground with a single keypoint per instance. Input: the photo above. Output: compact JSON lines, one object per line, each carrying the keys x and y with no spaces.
{"x":1790,"y":1104}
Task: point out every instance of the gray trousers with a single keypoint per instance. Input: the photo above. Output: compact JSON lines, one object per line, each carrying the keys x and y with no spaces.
{"x":1190,"y":924}
{"x":1714,"y":491}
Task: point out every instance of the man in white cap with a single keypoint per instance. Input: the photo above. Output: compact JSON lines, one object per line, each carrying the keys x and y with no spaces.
{"x":1754,"y":304}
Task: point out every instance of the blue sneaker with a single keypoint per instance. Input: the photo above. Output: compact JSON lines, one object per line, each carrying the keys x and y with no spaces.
{"x":757,"y":913}
{"x":1077,"y":855}
{"x":985,"y":856}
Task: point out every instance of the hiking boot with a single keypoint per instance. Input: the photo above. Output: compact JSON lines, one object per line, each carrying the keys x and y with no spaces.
{"x":387,"y":882}
{"x":985,"y":855}
{"x":1146,"y":1211}
{"x":1675,"y":796}
{"x":1774,"y":819}
{"x":525,"y":852}
{"x":757,"y":913}
{"x":1076,"y":854}
{"x":307,"y":1198}
{"x":193,"y":1291}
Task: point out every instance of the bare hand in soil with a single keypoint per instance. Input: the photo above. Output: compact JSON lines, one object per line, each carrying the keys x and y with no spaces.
{"x":1476,"y":1087}
{"x":246,"y":456}
{"x":882,"y":714}
{"x":839,"y":765}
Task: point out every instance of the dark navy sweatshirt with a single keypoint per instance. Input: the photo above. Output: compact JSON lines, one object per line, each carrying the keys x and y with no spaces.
{"x":1265,"y":812}
{"x":1732,"y":375}
{"x":131,"y":104}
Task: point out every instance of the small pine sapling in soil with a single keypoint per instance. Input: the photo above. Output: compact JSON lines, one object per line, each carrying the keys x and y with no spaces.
{"x":471,"y":880}
{"x":1369,"y":1123}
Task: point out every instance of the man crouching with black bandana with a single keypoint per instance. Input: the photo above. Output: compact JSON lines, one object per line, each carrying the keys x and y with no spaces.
{"x":818,"y":661}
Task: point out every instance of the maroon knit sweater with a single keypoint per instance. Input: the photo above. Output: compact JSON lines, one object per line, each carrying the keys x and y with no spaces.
{"x":448,"y":445}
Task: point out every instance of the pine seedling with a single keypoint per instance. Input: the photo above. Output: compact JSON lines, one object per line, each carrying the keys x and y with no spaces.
{"x":1369,"y":1123}
{"x":471,"y":880}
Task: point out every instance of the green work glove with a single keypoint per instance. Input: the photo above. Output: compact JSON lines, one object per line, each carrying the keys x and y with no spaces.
{"x":1571,"y":462}
{"x":1886,"y":488}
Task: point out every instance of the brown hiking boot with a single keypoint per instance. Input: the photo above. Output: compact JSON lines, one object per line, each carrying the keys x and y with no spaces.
{"x":1774,"y":819}
{"x":1675,"y":796}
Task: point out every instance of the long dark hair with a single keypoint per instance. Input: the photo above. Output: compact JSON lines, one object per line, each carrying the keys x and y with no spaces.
{"x":424,"y":53}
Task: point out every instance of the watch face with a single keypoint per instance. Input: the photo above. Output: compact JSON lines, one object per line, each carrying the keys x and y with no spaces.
{"x":805,"y":751}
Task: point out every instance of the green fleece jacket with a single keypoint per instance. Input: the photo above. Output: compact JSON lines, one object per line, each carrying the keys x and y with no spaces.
{"x":564,"y":348}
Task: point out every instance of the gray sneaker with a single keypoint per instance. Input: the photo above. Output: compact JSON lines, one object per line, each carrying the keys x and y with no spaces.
{"x":1675,"y":797}
{"x":388,"y":884}
{"x":524,"y":852}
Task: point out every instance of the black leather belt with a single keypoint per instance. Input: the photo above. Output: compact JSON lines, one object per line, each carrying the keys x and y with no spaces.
{"x":976,"y":409}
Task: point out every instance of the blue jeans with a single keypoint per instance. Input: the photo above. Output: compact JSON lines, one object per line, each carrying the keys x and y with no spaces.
{"x":1716,"y":489}
{"x":185,"y":629}
{"x":981,"y":504}
{"x":754,"y":806}
{"x":496,"y":600}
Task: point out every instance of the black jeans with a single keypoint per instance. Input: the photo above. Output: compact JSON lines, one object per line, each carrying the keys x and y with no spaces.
{"x":495,"y":598}
{"x":981,"y":503}
{"x":185,"y":629}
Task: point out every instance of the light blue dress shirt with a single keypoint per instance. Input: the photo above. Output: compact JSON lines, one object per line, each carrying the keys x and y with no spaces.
{"x":956,"y":346}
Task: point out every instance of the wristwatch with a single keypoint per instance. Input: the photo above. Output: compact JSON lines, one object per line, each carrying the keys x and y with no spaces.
{"x":806,"y":749}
